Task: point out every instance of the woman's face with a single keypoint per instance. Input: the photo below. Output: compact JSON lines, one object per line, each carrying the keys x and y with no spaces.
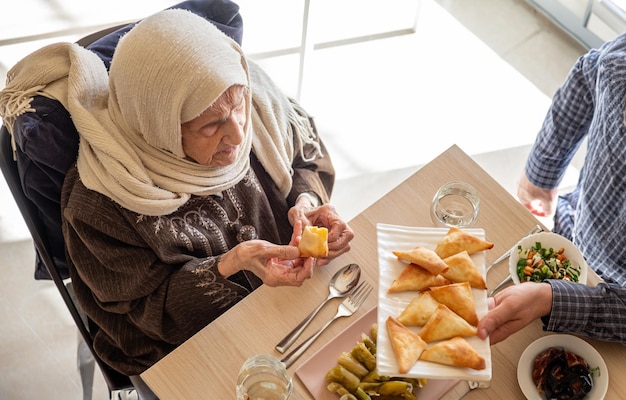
{"x":213,"y":138}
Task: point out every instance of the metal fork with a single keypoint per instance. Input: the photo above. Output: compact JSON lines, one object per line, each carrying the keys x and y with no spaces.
{"x":508,"y":278}
{"x":348,"y":307}
{"x":536,"y":229}
{"x":500,"y":285}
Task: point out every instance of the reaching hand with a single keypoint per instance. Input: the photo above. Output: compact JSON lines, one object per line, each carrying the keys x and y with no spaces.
{"x":513,"y":308}
{"x":537,"y":200}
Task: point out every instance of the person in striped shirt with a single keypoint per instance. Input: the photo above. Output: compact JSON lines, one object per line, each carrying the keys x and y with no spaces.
{"x":589,"y":106}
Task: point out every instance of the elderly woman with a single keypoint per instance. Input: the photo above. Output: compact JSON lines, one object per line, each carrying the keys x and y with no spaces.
{"x":195,"y":176}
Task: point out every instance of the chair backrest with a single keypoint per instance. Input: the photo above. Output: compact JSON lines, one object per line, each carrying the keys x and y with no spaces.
{"x":30,"y":213}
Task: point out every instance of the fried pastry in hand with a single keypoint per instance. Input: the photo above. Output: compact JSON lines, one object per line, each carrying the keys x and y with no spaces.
{"x":314,"y":242}
{"x":457,"y":240}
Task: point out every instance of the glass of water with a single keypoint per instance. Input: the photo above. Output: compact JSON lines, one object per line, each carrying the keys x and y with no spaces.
{"x":455,"y":204}
{"x":263,"y":377}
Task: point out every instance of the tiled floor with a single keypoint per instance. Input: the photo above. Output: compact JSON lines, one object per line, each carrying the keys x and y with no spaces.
{"x":476,"y":73}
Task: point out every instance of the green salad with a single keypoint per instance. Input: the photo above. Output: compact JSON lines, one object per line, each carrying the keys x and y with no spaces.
{"x":539,"y":263}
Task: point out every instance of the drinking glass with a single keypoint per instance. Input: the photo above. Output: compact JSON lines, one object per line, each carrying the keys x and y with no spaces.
{"x":455,"y":204}
{"x":263,"y":377}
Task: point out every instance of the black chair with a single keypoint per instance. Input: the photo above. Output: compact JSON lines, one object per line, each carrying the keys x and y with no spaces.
{"x":114,"y":380}
{"x":86,"y":358}
{"x":118,"y":384}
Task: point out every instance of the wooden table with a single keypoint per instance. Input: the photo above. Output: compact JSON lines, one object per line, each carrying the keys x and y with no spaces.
{"x":206,"y":366}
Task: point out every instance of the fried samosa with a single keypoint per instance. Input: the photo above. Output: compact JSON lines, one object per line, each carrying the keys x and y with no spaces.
{"x":425,"y":258}
{"x":462,"y":268}
{"x":419,"y":310}
{"x":457,"y":240}
{"x":414,"y":277}
{"x":407,"y":345}
{"x":314,"y":242}
{"x":456,"y":352}
{"x":445,"y":324}
{"x":458,"y":297}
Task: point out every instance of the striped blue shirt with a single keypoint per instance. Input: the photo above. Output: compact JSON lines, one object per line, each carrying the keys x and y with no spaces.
{"x":598,"y":312}
{"x":590,"y":103}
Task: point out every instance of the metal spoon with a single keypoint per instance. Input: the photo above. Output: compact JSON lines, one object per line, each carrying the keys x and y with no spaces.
{"x":340,"y":285}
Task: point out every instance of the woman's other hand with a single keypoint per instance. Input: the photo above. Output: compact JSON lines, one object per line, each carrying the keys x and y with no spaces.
{"x":275,"y":265}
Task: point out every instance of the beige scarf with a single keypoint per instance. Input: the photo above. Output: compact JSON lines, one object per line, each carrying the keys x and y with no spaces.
{"x":166,"y":71}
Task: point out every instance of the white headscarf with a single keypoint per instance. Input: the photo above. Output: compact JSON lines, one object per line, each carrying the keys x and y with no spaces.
{"x":165,"y":71}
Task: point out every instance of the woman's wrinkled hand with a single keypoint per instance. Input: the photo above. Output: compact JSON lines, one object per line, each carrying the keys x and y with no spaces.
{"x":275,"y":265}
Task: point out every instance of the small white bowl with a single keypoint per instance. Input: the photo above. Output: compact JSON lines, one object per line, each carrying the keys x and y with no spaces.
{"x":547,"y":240}
{"x":570,"y":343}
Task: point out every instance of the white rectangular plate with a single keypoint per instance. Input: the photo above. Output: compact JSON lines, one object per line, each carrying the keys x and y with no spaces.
{"x":313,"y":370}
{"x":392,"y":238}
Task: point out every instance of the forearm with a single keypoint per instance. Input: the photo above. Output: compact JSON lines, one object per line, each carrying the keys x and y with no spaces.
{"x":313,"y":172}
{"x":599,"y":312}
{"x":313,"y":182}
{"x":564,"y":127}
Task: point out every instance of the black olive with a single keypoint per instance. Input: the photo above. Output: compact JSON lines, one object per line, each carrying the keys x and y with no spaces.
{"x":563,"y":381}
